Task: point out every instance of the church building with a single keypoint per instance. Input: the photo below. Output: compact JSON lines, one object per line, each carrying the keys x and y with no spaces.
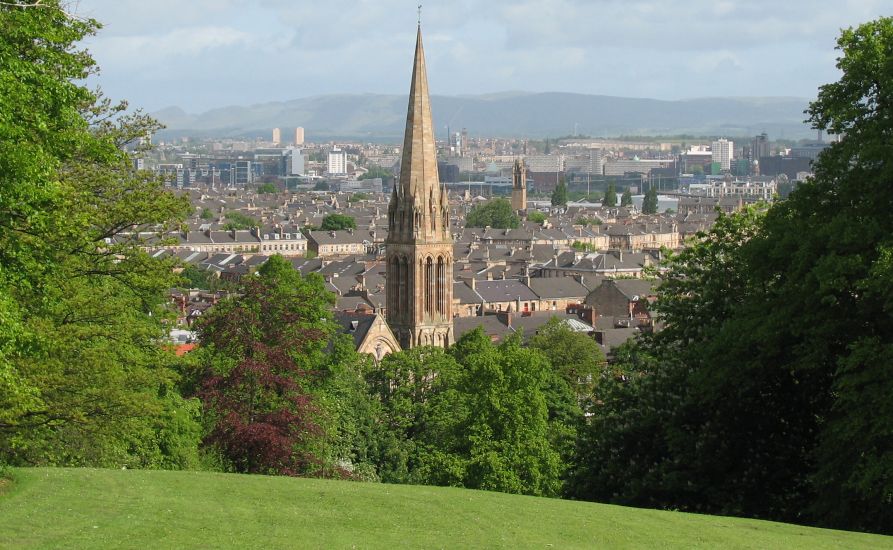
{"x":419,"y":244}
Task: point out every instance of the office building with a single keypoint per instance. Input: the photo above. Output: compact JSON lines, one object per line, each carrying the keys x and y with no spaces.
{"x":723,"y":151}
{"x":337,"y":163}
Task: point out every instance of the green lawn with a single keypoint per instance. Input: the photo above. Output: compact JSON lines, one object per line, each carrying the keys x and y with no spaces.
{"x":86,"y":508}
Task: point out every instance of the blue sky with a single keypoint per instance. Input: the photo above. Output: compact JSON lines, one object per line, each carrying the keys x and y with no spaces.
{"x":201,"y":54}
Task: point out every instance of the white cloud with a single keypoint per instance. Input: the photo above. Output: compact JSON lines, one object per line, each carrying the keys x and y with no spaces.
{"x":248,"y":52}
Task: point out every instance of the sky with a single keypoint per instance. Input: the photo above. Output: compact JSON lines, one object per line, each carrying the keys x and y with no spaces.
{"x":203,"y":54}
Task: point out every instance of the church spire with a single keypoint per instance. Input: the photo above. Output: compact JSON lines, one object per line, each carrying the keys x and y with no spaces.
{"x":419,"y":246}
{"x":419,"y":207}
{"x":418,"y":169}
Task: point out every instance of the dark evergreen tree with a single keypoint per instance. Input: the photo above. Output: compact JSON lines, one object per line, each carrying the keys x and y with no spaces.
{"x":610,"y":195}
{"x":626,"y":199}
{"x":559,"y":194}
{"x":649,"y":203}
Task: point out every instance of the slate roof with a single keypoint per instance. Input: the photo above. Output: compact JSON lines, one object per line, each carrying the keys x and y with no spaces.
{"x":508,"y":290}
{"x":558,"y":287}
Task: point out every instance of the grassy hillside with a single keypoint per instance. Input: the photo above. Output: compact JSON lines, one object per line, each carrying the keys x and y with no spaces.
{"x":85,"y":508}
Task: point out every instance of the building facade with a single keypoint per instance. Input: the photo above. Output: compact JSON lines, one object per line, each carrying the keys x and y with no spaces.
{"x":337,"y":162}
{"x":722,"y":150}
{"x":419,"y":244}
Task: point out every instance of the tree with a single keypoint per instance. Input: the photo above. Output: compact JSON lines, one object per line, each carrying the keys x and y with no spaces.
{"x":418,"y":390}
{"x":750,"y":413}
{"x":83,"y":377}
{"x":610,"y":195}
{"x":338,"y":222}
{"x":481,"y":416}
{"x":576,"y":357}
{"x":505,"y":438}
{"x":649,"y":203}
{"x":559,"y":195}
{"x":536,"y":216}
{"x":496,"y":213}
{"x":626,"y":199}
{"x":321,"y":186}
{"x":237,"y":220}
{"x":845,"y":279}
{"x":376,"y":171}
{"x":266,"y":188}
{"x":206,"y":214}
{"x":261,"y":345}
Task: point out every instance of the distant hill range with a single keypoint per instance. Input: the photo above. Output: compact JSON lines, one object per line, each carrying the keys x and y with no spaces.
{"x":376,"y":117}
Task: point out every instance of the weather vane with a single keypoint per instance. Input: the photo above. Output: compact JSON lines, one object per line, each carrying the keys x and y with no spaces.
{"x":420,"y":15}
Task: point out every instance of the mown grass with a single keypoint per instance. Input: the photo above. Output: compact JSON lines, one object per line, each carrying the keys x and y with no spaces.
{"x":89,"y":508}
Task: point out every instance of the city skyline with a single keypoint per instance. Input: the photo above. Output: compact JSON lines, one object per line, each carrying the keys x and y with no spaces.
{"x":207,"y":54}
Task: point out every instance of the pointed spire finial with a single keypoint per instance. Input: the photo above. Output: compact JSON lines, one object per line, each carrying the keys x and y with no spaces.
{"x":420,"y":15}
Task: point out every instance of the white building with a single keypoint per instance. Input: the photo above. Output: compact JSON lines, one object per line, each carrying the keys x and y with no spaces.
{"x":337,"y":164}
{"x":544,"y":163}
{"x":294,"y":161}
{"x":722,"y":153}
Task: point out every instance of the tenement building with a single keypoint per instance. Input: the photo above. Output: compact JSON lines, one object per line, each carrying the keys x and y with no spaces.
{"x":419,"y":244}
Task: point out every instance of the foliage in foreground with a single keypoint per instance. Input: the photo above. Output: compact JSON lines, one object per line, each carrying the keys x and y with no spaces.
{"x":767,"y":394}
{"x":83,"y":379}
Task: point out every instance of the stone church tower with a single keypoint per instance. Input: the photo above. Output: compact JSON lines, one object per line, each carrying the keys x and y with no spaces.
{"x":519,"y":187}
{"x":419,"y":244}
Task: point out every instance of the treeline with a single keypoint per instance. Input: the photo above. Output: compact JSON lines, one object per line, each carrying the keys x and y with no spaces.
{"x":282,"y":393}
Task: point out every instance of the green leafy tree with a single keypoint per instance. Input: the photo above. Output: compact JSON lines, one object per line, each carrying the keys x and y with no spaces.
{"x":193,"y":277}
{"x":772,"y":394}
{"x":321,"y":186}
{"x":536,"y":217}
{"x":649,"y":203}
{"x":352,"y":417}
{"x":338,"y":222}
{"x":206,"y":214}
{"x":505,"y":439}
{"x":576,"y":357}
{"x":496,"y":213}
{"x":418,"y":390}
{"x":266,"y":188}
{"x":84,"y":379}
{"x":610,"y":195}
{"x":559,"y":195}
{"x":626,"y":199}
{"x":238,"y":220}
{"x":481,"y":416}
{"x":376,"y":171}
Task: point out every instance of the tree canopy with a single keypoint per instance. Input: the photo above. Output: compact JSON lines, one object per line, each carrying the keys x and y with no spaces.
{"x":496,"y":213}
{"x":338,"y":222}
{"x":767,"y":394}
{"x":84,"y":379}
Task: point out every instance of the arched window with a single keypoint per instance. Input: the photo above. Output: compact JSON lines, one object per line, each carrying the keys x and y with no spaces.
{"x":441,"y":286}
{"x":429,"y":286}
